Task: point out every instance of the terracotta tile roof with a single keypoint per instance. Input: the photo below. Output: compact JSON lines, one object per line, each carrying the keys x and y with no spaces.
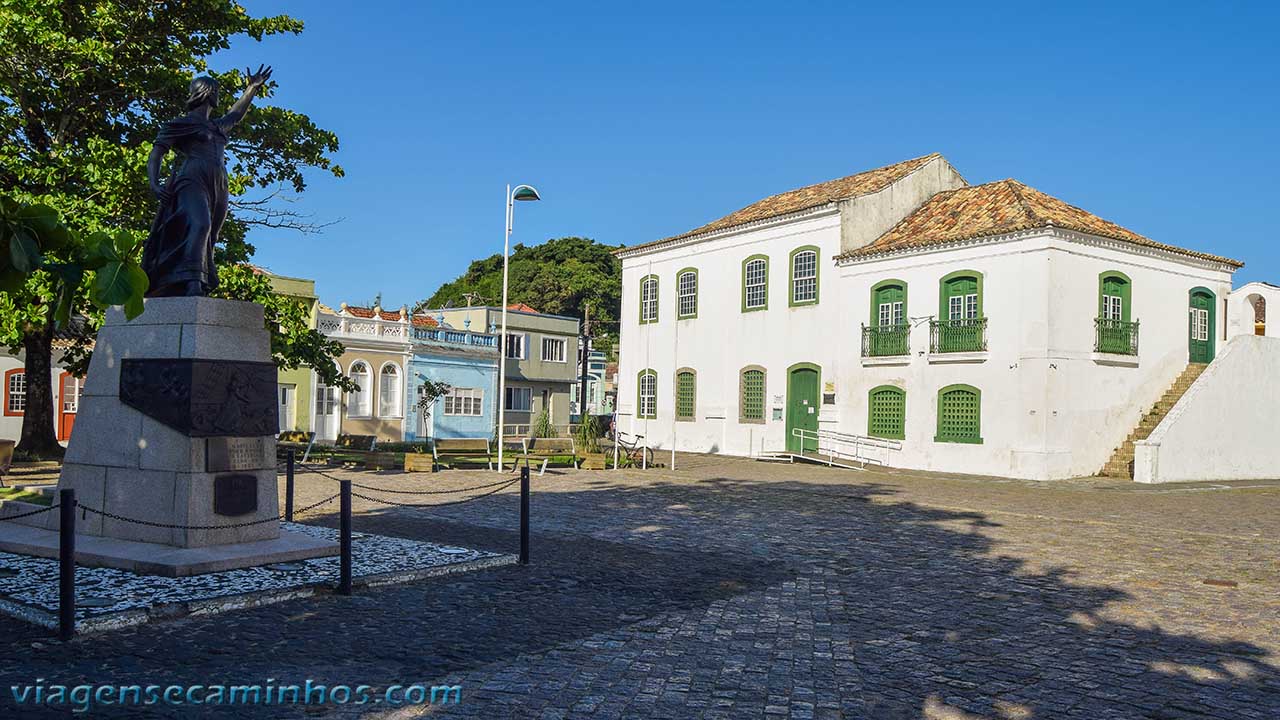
{"x":805,"y":198}
{"x":423,"y":321}
{"x":521,"y":307}
{"x":364,"y":312}
{"x":1001,"y":207}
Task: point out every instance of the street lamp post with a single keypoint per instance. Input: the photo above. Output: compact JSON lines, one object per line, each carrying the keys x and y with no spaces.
{"x":523,"y":193}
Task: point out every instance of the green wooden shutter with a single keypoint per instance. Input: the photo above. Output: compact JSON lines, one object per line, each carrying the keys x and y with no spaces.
{"x":1114,"y":286}
{"x":959,"y":414}
{"x":886,"y":416}
{"x":686,"y":395}
{"x":752,"y":393}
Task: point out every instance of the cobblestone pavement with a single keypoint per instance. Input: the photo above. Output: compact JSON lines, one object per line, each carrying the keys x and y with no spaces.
{"x":736,"y":589}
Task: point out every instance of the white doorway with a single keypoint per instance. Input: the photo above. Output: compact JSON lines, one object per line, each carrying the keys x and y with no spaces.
{"x":326,"y":412}
{"x":287,"y":410}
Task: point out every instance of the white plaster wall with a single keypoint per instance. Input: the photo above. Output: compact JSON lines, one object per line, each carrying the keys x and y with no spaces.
{"x":1095,"y":401}
{"x":867,"y":217}
{"x":1240,"y":309}
{"x":723,"y":339}
{"x":1224,"y":428}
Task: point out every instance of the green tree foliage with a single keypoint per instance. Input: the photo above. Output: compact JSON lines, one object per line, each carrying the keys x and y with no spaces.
{"x":560,"y":277}
{"x":84,"y":88}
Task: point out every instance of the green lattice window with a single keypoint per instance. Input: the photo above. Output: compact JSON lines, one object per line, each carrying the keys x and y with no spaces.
{"x":887,"y":412}
{"x":959,"y":414}
{"x":686,"y":394}
{"x":751,"y":391}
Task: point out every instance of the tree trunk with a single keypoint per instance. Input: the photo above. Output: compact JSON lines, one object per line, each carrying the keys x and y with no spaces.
{"x":38,"y":440}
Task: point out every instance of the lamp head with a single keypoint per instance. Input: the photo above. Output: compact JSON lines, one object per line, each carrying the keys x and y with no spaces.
{"x":525,"y":193}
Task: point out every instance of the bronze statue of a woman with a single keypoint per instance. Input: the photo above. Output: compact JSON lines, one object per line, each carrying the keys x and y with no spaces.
{"x":178,"y":256}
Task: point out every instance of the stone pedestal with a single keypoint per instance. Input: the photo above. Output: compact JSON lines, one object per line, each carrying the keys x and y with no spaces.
{"x":177,"y":426}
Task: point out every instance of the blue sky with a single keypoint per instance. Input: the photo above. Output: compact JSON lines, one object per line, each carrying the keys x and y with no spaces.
{"x":641,"y":120}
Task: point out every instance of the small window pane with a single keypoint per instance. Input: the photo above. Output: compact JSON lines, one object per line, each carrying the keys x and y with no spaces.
{"x":17,"y":392}
{"x":361,"y":403}
{"x":804,"y":276}
{"x":553,"y":349}
{"x":519,"y":399}
{"x":687,"y":285}
{"x":466,"y":401}
{"x":648,"y":395}
{"x":755,"y":280}
{"x":649,"y":300}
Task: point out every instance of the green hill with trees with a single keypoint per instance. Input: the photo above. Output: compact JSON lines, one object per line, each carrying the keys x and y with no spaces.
{"x":561,"y":277}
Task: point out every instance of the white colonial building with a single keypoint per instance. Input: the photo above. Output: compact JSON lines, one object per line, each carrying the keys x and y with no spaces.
{"x":904,"y":316}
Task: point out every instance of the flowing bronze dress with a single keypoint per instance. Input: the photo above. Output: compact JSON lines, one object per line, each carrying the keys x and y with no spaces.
{"x":179,"y":249}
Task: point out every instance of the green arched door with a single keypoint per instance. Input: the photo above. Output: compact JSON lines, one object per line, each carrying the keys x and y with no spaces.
{"x":1200,"y":326}
{"x":802,"y":408}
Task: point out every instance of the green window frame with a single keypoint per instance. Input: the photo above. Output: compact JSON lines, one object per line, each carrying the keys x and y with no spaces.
{"x":803,"y":279}
{"x":966,"y":287}
{"x":687,"y":290}
{"x":887,"y":412}
{"x":1115,"y":292}
{"x":686,"y":395}
{"x":959,"y":415}
{"x":755,"y":283}
{"x":647,"y":394}
{"x":751,"y":394}
{"x":648,"y":299}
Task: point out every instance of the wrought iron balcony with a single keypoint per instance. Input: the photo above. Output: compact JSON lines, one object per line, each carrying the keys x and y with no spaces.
{"x":886,"y":340}
{"x":1119,"y":337}
{"x":960,"y":335}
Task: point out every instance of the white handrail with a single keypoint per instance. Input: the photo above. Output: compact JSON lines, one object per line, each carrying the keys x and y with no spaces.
{"x":834,"y":438}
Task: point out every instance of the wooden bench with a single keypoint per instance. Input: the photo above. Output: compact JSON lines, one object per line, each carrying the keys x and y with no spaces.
{"x":548,"y":449}
{"x":295,"y":440}
{"x":356,"y":443}
{"x":456,"y":451}
{"x":352,"y":449}
{"x":6,"y":458}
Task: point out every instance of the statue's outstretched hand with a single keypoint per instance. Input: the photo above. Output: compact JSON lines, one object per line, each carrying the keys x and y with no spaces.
{"x":260,"y":78}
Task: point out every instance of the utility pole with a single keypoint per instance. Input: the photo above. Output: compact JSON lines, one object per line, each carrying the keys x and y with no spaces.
{"x":585,"y":344}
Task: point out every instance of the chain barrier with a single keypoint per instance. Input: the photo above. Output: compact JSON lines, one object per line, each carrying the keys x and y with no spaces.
{"x":54,"y":506}
{"x":505,"y":484}
{"x":169,"y":526}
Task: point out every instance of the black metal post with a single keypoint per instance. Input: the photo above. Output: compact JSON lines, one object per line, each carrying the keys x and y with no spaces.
{"x":344,"y":541}
{"x":66,"y":564}
{"x":524,"y":515}
{"x":288,"y":488}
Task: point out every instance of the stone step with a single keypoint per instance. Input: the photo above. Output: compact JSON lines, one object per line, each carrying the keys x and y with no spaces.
{"x":1118,"y":464}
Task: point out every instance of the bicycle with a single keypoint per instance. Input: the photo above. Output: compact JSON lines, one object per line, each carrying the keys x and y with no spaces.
{"x":636,"y":454}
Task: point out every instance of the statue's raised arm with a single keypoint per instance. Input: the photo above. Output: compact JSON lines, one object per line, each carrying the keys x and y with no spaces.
{"x":178,"y":256}
{"x":241,"y":106}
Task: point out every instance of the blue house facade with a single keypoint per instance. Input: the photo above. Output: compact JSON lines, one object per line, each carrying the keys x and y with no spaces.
{"x":468,"y":363}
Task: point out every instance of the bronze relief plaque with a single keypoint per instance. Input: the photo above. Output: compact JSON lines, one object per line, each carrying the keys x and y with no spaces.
{"x":235,"y":495}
